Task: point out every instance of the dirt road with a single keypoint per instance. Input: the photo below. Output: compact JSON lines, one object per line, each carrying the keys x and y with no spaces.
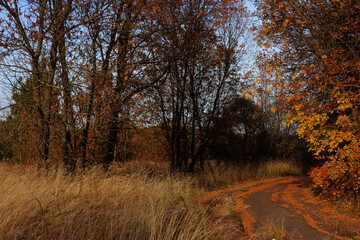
{"x":287,"y":203}
{"x":265,"y":210}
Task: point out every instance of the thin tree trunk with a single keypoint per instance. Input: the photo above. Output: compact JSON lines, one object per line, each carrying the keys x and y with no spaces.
{"x":69,"y":120}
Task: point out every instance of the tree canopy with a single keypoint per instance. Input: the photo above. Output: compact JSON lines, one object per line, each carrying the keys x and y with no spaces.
{"x":319,"y":44}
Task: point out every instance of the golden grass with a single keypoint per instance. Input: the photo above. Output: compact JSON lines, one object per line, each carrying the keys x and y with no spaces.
{"x":97,"y":205}
{"x":279,"y":168}
{"x":132,"y":201}
{"x":220,"y":176}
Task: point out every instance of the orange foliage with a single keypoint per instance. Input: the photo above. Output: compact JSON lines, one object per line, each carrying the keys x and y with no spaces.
{"x":150,"y":145}
{"x":320,"y":64}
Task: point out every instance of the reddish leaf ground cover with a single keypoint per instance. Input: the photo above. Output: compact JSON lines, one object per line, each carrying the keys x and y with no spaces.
{"x":322,"y":215}
{"x":240,"y":193}
{"x":297,"y":198}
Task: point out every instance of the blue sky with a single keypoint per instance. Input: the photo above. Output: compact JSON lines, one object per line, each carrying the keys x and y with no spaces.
{"x":4,"y":93}
{"x":250,"y":5}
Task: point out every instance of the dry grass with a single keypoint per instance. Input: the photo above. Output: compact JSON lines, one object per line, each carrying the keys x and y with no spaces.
{"x":271,"y":231}
{"x":133,"y":201}
{"x":147,"y":167}
{"x":96,"y":205}
{"x":279,"y":168}
{"x":219,"y":176}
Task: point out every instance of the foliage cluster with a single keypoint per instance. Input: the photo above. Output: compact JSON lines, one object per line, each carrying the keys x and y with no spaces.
{"x":315,"y":66}
{"x":337,"y":179}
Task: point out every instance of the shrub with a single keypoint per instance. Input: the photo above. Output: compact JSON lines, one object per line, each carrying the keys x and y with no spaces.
{"x":337,"y":179}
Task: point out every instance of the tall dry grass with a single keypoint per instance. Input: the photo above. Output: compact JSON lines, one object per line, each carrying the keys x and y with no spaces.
{"x":219,"y":176}
{"x":97,"y":205}
{"x":279,"y":168}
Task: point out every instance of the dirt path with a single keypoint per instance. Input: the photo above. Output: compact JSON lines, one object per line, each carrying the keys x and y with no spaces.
{"x":265,"y":210}
{"x":287,"y":203}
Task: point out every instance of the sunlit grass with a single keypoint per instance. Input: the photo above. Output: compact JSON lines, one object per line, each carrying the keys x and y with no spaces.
{"x":98,"y":205}
{"x":132,"y":201}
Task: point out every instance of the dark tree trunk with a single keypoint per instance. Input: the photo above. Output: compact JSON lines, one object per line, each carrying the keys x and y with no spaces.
{"x":69,"y":120}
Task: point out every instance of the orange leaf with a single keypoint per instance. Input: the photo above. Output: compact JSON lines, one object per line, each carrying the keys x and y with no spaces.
{"x":286,"y":22}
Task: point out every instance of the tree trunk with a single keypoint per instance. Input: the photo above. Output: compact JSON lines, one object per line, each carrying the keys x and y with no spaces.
{"x":69,"y":121}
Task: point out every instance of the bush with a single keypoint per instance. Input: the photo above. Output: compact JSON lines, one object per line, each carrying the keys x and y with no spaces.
{"x":337,"y":179}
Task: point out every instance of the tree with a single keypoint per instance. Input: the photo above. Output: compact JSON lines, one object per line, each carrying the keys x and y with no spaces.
{"x":268,"y":79}
{"x":18,"y":127}
{"x":36,"y":33}
{"x":118,"y":44}
{"x":90,"y":65}
{"x":239,"y":133}
{"x":85,"y":61}
{"x":320,"y":42}
{"x":130,"y":57}
{"x":198,"y":40}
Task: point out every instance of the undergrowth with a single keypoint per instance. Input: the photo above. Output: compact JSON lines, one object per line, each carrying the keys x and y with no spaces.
{"x":216,"y":176}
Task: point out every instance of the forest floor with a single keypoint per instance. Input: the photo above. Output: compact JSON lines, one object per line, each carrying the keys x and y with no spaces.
{"x":280,"y":208}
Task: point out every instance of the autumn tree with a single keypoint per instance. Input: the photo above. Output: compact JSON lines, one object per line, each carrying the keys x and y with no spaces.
{"x":320,"y":42}
{"x":239,"y":132}
{"x":28,"y":33}
{"x":199,"y":41}
{"x":117,"y":46}
{"x":35,"y":43}
{"x":85,"y":61}
{"x":85,"y":66}
{"x":269,"y":86}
